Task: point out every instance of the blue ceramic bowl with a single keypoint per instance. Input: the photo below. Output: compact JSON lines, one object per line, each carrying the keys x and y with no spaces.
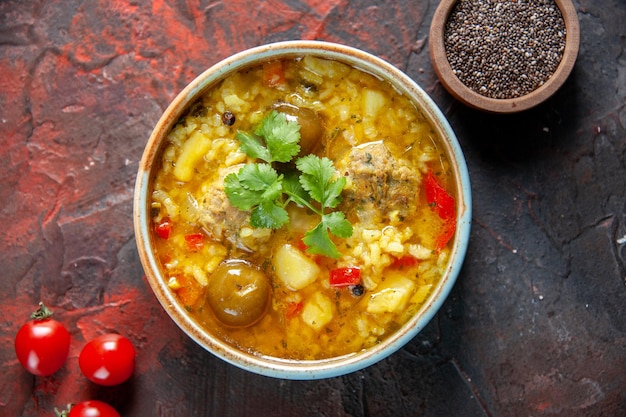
{"x":275,"y":367}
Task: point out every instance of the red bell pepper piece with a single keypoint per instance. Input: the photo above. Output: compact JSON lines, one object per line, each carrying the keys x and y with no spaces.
{"x":163,"y":228}
{"x":273,"y":74}
{"x":443,"y":203}
{"x":343,"y":277}
{"x":438,"y":197}
{"x":195,"y":241}
{"x":299,"y":243}
{"x":446,"y":234}
{"x":404,"y":261}
{"x":293,"y":309}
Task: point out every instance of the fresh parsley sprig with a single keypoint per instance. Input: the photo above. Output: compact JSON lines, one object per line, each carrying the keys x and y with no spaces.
{"x":260,"y":188}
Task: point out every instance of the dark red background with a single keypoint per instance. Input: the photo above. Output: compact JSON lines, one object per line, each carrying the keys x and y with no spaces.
{"x":536,"y":325}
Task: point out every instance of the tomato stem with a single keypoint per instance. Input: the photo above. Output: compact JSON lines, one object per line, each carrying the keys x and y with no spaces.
{"x":42,"y":312}
{"x":63,"y":413}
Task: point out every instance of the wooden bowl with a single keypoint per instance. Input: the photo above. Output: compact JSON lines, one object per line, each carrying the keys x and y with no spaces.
{"x":511,"y":105}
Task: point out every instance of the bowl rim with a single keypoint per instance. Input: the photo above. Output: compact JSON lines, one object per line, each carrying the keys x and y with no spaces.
{"x":512,"y":105}
{"x":271,"y":366}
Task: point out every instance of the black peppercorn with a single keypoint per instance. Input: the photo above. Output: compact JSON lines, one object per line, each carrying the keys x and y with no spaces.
{"x":357,"y":290}
{"x":228,"y":118}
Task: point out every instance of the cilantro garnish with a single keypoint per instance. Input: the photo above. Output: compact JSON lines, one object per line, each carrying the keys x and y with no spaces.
{"x":260,"y":188}
{"x":317,"y":180}
{"x":280,"y":139}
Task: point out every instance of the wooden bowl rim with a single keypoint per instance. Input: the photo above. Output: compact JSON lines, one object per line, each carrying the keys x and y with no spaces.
{"x":469,"y":97}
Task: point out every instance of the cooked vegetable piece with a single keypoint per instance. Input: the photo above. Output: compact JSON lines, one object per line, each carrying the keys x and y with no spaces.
{"x":444,"y":204}
{"x":187,"y":292}
{"x":192,"y":152}
{"x":238,"y":293}
{"x":372,"y":102}
{"x":392,"y":296}
{"x":163,"y":228}
{"x":438,"y":197}
{"x":421,"y":294}
{"x":294,"y":268}
{"x":195,"y":241}
{"x":406,"y":261}
{"x":317,"y":311}
{"x":273,"y":74}
{"x":293,"y":309}
{"x":343,"y":277}
{"x":326,"y":67}
{"x":446,"y":234}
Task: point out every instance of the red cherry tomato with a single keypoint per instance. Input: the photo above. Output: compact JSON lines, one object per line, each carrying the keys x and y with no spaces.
{"x":108,"y":359}
{"x":92,"y":408}
{"x":42,"y":344}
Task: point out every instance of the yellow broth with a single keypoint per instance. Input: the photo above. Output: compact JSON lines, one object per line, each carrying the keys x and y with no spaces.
{"x":378,"y":141}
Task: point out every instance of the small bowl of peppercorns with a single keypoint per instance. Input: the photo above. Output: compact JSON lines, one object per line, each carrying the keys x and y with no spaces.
{"x":504,"y":56}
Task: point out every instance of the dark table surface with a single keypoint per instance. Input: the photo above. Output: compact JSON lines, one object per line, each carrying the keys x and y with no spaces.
{"x":535,"y":326}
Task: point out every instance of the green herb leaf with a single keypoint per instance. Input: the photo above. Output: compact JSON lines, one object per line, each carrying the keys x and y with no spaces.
{"x":281,"y":136}
{"x":257,"y":176}
{"x":240,"y":196}
{"x":319,"y":243}
{"x":258,"y":186}
{"x":317,"y":180}
{"x":318,"y":240}
{"x":332,"y":194}
{"x":270,"y":215}
{"x":316,"y":172}
{"x":338,"y":225}
{"x":293,"y":188}
{"x":253,"y":147}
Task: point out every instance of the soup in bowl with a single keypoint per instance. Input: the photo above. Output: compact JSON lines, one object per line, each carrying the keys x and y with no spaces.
{"x":302,"y":209}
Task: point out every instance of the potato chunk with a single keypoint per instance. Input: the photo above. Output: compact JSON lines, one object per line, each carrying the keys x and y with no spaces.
{"x":193,"y":150}
{"x":317,"y":311}
{"x":392,"y":296}
{"x":294,"y":268}
{"x":372,"y":102}
{"x":325,"y":67}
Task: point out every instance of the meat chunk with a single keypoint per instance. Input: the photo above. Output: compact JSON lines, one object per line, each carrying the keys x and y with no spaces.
{"x":381,"y":187}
